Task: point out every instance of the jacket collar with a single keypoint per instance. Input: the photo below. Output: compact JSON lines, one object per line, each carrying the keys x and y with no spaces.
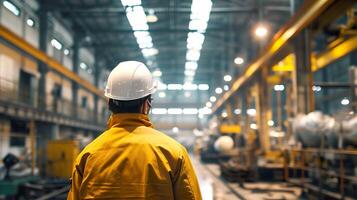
{"x":128,"y":119}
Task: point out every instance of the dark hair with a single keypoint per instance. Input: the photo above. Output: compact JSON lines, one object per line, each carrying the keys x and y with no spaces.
{"x":132,"y":106}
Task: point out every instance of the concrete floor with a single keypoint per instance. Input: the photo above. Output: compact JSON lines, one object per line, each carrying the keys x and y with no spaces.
{"x":213,"y":187}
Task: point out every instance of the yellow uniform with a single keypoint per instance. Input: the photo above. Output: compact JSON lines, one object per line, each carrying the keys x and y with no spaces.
{"x":132,"y":160}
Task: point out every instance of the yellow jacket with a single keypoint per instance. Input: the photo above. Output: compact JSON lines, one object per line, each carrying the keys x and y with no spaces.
{"x":132,"y":160}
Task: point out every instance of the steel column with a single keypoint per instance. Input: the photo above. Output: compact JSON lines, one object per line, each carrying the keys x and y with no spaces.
{"x":302,"y":75}
{"x":76,"y":47}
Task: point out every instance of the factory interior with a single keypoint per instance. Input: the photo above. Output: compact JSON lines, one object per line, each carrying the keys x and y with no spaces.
{"x":261,"y":93}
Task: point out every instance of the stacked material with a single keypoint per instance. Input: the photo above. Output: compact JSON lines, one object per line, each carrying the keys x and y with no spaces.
{"x":224,"y":144}
{"x":314,"y":128}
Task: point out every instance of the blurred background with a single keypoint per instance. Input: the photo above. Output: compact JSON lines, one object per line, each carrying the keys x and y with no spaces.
{"x":261,"y":92}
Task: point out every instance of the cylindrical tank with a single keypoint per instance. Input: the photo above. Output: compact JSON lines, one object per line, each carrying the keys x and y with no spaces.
{"x":224,"y":144}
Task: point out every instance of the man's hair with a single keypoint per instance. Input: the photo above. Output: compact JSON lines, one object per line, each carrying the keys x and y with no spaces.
{"x":132,"y":106}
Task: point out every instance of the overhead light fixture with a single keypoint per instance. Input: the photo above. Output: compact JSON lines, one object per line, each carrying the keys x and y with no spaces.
{"x":205,"y":111}
{"x":161,"y":86}
{"x":151,"y":17}
{"x":316,"y":88}
{"x":254,"y":126}
{"x":261,"y":31}
{"x":224,"y":114}
{"x":218,"y":90}
{"x":208,"y":104}
{"x":159,"y":111}
{"x":131,"y":2}
{"x":56,"y":44}
{"x":83,"y":66}
{"x":189,"y":86}
{"x":191,"y":65}
{"x":157,"y":73}
{"x":238,"y":60}
{"x":189,"y":73}
{"x":345,"y":101}
{"x":237,"y":111}
{"x":200,"y":116}
{"x":162,"y":94}
{"x":174,"y":87}
{"x":190,"y":111}
{"x":279,"y":87}
{"x":271,"y":123}
{"x":203,"y":87}
{"x":11,"y":7}
{"x":227,"y":78}
{"x":66,"y":52}
{"x":193,"y":55}
{"x":226,"y":87}
{"x":251,"y":112}
{"x":213,"y":99}
{"x":30,"y":22}
{"x":150,"y":52}
{"x":174,"y":111}
{"x":175,"y":129}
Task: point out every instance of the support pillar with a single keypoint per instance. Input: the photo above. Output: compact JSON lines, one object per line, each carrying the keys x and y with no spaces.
{"x":302,"y":75}
{"x":262,"y":106}
{"x":43,"y":42}
{"x":97,"y":73}
{"x":76,"y":46}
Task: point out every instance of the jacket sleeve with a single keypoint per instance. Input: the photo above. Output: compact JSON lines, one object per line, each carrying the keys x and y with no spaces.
{"x":185,"y":184}
{"x":76,"y":181}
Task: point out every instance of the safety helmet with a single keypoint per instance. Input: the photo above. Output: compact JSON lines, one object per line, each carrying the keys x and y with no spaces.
{"x":130,"y":80}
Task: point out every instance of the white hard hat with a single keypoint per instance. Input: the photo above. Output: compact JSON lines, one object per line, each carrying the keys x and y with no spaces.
{"x":129,"y":80}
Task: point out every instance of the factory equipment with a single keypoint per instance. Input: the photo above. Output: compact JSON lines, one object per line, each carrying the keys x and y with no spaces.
{"x":9,"y":161}
{"x":61,"y":155}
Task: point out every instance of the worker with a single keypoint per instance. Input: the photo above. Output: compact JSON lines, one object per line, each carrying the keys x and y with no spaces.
{"x":132,"y":160}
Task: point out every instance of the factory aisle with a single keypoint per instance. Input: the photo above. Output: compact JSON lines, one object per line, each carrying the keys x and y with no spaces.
{"x":212,"y":187}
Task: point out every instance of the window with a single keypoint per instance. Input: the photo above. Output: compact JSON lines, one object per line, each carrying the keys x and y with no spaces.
{"x":19,"y":130}
{"x":84,"y":102}
{"x":12,"y":8}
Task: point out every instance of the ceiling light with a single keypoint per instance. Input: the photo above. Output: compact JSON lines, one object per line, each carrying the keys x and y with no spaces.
{"x":191,"y":65}
{"x":279,"y":87}
{"x":203,"y":87}
{"x":30,"y":22}
{"x":200,"y":116}
{"x":174,"y":111}
{"x":56,"y":44}
{"x":137,"y":18}
{"x":226,"y":87}
{"x":140,"y":34}
{"x":253,"y":126}
{"x":208,"y":104}
{"x":83,"y":66}
{"x":237,"y":111}
{"x":238,"y":60}
{"x":159,"y":111}
{"x":11,"y":7}
{"x":205,"y":111}
{"x":151,"y":17}
{"x":190,"y":111}
{"x":224,"y":114}
{"x":345,"y":101}
{"x":227,"y":78}
{"x":189,"y":73}
{"x":161,"y":86}
{"x":218,"y":90}
{"x":192,"y":55}
{"x":174,"y":87}
{"x":251,"y":112}
{"x":150,"y":52}
{"x":175,"y":129}
{"x":131,"y":2}
{"x":261,"y":31}
{"x":187,"y":94}
{"x":157,"y":73}
{"x":189,"y":86}
{"x":271,"y":123}
{"x":197,"y":25}
{"x":316,"y":88}
{"x":66,"y":52}
{"x":162,"y":94}
{"x":213,"y":99}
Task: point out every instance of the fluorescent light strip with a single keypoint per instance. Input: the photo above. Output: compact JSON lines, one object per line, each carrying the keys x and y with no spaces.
{"x":200,"y":11}
{"x":180,"y":111}
{"x":186,"y":86}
